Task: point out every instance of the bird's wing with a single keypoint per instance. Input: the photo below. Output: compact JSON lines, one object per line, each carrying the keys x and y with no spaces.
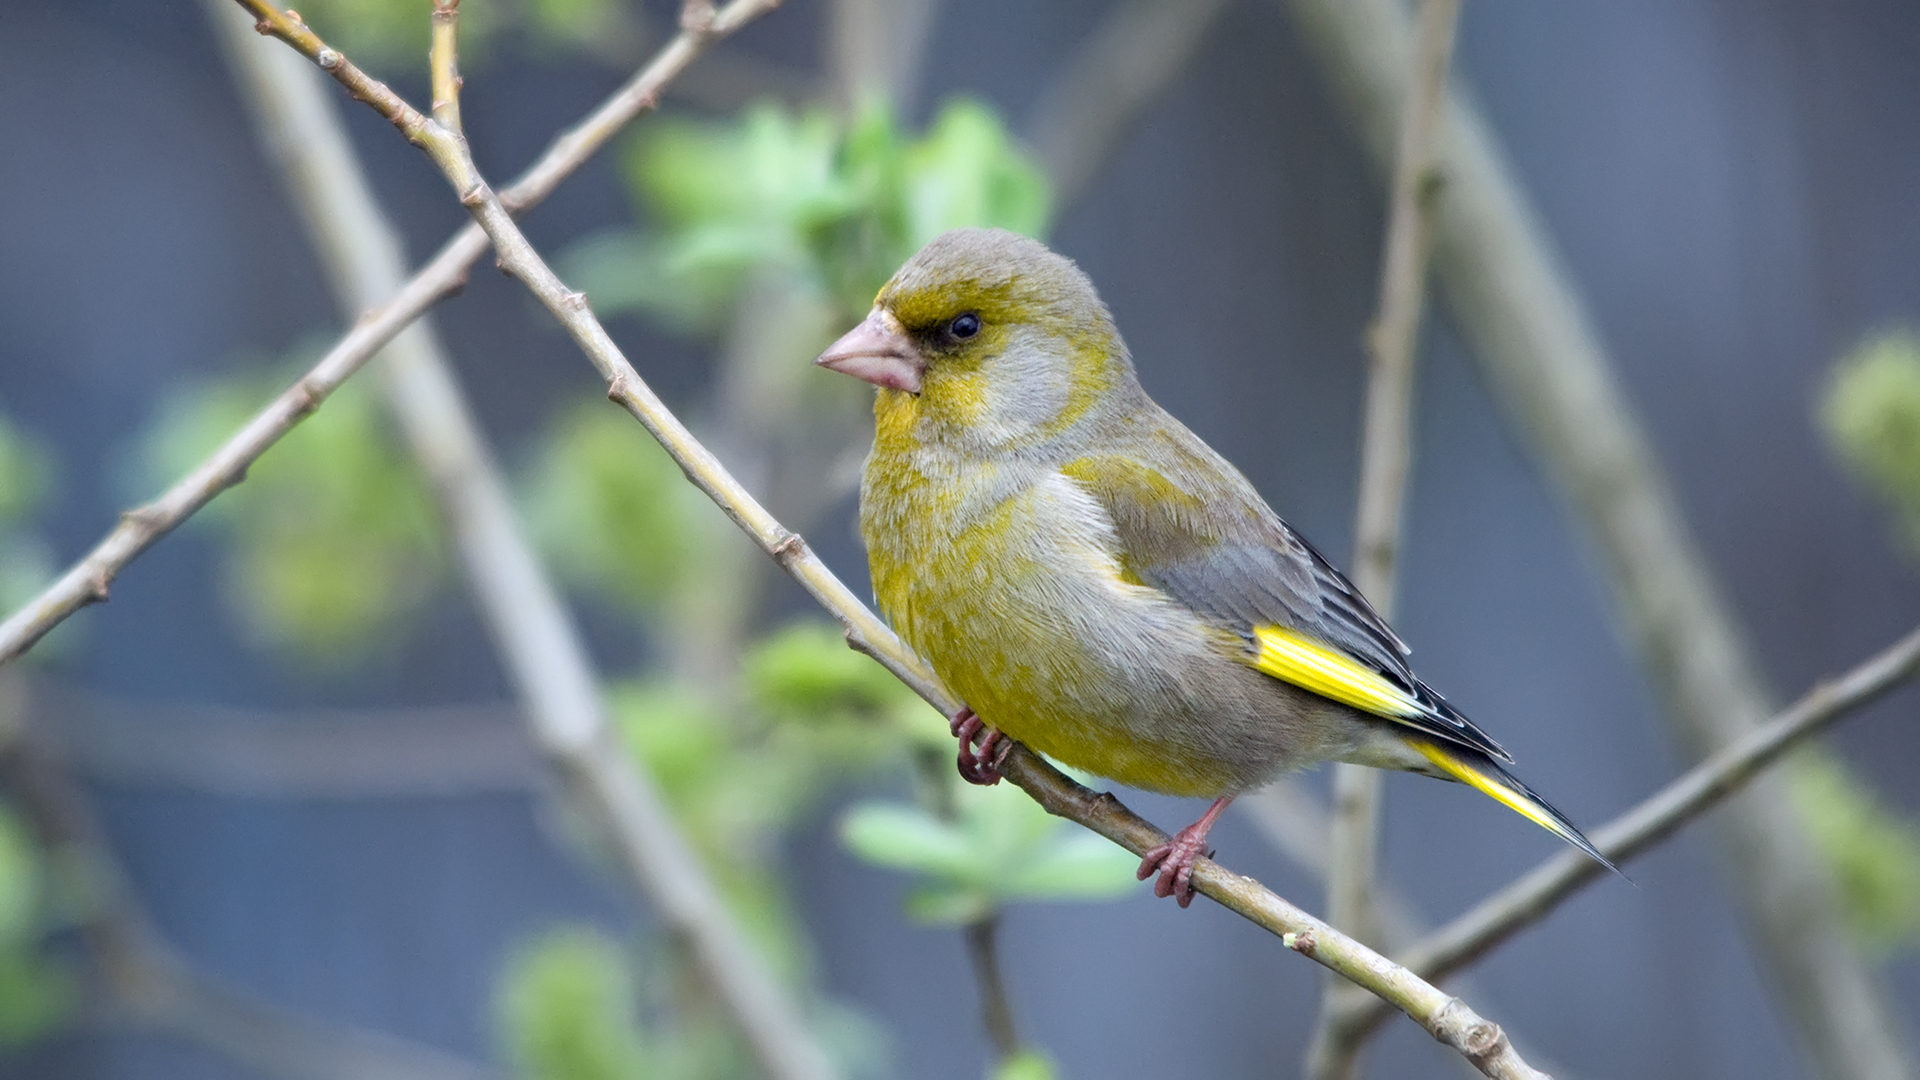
{"x":1208,"y":541}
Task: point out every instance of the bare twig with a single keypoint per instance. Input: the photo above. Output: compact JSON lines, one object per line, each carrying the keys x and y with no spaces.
{"x":1544,"y":362}
{"x":1446,"y":1018}
{"x":1449,"y":1019}
{"x":150,"y":985}
{"x":88,"y":580}
{"x":1386,"y":456}
{"x":444,"y":64}
{"x":1130,"y":58}
{"x":996,"y":1009}
{"x":1534,"y":895}
{"x":533,"y":634}
{"x":875,"y":48}
{"x":1386,"y":441}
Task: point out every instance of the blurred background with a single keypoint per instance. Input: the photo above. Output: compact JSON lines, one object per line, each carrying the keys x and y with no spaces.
{"x":286,"y":748}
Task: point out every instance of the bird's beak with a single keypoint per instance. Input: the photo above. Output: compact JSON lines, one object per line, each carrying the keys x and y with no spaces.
{"x":879,"y":351}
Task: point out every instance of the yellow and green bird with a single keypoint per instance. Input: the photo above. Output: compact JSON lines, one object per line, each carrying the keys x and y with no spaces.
{"x":1093,"y":579}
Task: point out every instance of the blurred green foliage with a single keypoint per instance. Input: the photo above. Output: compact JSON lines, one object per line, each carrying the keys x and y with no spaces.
{"x":37,"y":992}
{"x":333,"y":537}
{"x":839,"y":205}
{"x":576,"y":1004}
{"x":1874,"y":850}
{"x":1871,"y":412}
{"x":1026,"y":1065}
{"x":333,"y":546}
{"x":740,"y":774}
{"x":24,"y":475}
{"x":566,"y":1010}
{"x":613,"y":512}
{"x":391,"y":37}
{"x":997,"y":846}
{"x":835,"y":699}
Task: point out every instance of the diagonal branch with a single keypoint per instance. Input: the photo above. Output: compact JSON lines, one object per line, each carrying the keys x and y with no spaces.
{"x":532,"y":632}
{"x":1546,"y":366}
{"x":1536,"y":894}
{"x":1447,"y":1018}
{"x":1386,"y":457}
{"x":88,"y":581}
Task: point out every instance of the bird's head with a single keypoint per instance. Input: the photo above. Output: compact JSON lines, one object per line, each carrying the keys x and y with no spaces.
{"x":988,"y":338}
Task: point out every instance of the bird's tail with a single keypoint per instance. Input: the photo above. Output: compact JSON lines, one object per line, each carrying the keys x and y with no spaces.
{"x":1486,"y":775}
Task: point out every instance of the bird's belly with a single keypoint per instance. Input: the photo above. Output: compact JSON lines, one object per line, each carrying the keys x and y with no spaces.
{"x":1026,"y":614}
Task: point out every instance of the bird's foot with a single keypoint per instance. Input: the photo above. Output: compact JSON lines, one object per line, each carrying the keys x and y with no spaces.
{"x":1174,"y":860}
{"x":981,"y":766}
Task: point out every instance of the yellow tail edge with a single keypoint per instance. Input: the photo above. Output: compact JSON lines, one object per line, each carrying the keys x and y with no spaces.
{"x":1495,"y":783}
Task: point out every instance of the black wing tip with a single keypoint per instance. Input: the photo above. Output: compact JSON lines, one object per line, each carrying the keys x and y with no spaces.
{"x":1566,"y":830}
{"x":1588,"y":848}
{"x":1470,"y":734}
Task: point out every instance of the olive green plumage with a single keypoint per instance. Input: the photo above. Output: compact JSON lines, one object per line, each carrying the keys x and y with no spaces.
{"x":1089,"y":575}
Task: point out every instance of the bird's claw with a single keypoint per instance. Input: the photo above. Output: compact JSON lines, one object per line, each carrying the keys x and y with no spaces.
{"x":980,"y":766}
{"x":1174,"y":861}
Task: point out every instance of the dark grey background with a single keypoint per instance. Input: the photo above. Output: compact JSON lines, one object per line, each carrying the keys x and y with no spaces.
{"x":1733,"y":184}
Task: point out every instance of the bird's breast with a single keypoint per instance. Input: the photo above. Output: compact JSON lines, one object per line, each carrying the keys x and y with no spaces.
{"x":1010,"y":585}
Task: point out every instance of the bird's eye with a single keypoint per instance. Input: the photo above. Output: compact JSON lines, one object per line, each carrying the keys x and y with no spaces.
{"x":964,"y":326}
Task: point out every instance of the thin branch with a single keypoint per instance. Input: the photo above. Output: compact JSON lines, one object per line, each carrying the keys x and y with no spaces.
{"x":1536,"y":894}
{"x":1544,"y":362}
{"x":996,"y":1008}
{"x":1446,"y":1018}
{"x":536,"y":640}
{"x":88,"y":581}
{"x":875,"y":49}
{"x":1129,"y":59}
{"x":150,"y":985}
{"x":1449,"y":1019}
{"x":1386,"y":457}
{"x":1386,"y":442}
{"x":444,"y":63}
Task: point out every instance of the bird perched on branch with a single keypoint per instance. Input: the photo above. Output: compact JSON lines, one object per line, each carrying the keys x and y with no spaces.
{"x":1094,"y":580}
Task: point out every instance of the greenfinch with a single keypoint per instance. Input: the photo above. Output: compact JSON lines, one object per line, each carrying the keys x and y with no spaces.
{"x":1095,"y":581}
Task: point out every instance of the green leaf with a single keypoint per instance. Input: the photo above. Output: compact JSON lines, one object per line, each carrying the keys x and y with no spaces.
{"x":837,"y":206}
{"x":25,"y":475}
{"x":1001,"y":847}
{"x":565,"y":1007}
{"x":728,"y":794}
{"x":390,"y":37}
{"x":21,"y":883}
{"x":908,"y":838}
{"x":968,"y":172}
{"x":740,"y":195}
{"x":335,"y":542}
{"x":805,"y":672}
{"x":1871,"y":412}
{"x":613,"y":512}
{"x":578,"y":23}
{"x":1075,"y":865}
{"x":949,"y":904}
{"x":731,"y":793}
{"x":37,"y":993}
{"x":1873,"y":849}
{"x":1026,"y":1065}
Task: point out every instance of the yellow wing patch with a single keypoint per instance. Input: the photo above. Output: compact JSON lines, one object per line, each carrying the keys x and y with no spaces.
{"x":1296,"y":658}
